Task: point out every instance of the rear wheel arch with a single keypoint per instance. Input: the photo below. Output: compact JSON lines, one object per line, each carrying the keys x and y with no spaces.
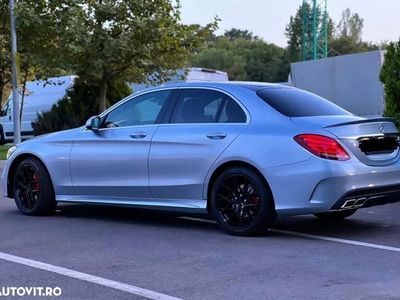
{"x":13,"y":168}
{"x":234,"y":164}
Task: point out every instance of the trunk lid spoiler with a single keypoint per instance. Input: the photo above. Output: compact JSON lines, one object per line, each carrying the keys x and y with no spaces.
{"x":374,"y":120}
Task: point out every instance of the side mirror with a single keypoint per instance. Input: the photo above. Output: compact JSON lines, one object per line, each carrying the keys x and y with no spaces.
{"x":93,"y":123}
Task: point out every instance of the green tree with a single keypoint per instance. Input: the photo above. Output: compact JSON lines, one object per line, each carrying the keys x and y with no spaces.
{"x":235,"y":33}
{"x":294,"y":33}
{"x":348,"y":36}
{"x":38,"y":37}
{"x":346,"y":45}
{"x":5,"y":54}
{"x":34,"y":38}
{"x":244,"y":59}
{"x":221,"y":56}
{"x":345,"y":38}
{"x":390,"y":77}
{"x":351,"y":26}
{"x":129,"y":40}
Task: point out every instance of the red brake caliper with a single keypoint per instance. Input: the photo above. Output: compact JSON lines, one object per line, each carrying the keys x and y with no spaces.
{"x":35,"y":183}
{"x":255,"y":200}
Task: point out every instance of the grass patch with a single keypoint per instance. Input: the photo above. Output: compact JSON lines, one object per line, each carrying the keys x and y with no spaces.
{"x":3,"y":151}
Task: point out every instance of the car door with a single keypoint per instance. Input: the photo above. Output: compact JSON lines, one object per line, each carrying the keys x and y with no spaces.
{"x":202,"y":125}
{"x":112,"y":161}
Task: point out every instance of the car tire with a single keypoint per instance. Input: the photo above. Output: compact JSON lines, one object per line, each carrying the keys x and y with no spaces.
{"x":242,"y":203}
{"x":335,"y":215}
{"x":33,"y":189}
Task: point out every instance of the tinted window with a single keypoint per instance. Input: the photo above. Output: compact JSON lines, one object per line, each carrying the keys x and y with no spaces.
{"x":141,"y":110}
{"x":298,"y":103}
{"x":232,"y":113}
{"x":6,"y":109}
{"x":198,"y":106}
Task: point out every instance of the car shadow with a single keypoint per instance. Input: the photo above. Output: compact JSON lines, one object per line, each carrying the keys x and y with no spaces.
{"x":133,"y":215}
{"x":353,"y":226}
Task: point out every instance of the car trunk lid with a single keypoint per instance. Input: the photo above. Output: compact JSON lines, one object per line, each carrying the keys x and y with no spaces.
{"x":374,"y":142}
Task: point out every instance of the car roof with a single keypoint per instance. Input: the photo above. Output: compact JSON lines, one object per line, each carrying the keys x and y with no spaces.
{"x":254,"y":86}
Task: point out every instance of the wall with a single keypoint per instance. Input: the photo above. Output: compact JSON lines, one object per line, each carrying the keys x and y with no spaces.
{"x":351,"y":81}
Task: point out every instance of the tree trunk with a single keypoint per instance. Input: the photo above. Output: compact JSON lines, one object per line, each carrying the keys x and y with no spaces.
{"x":102,"y":96}
{"x":24,"y":80}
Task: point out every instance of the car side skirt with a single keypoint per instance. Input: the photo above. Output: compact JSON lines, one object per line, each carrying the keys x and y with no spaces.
{"x":159,"y":204}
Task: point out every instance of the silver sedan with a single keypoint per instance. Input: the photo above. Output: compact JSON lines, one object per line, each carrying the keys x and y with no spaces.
{"x":243,"y":152}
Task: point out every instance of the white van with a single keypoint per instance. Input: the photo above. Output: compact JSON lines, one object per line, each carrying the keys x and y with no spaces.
{"x":203,"y":74}
{"x":39,"y":97}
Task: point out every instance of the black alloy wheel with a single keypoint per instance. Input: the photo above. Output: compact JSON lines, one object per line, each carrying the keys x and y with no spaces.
{"x":241,"y":202}
{"x":33,"y":190}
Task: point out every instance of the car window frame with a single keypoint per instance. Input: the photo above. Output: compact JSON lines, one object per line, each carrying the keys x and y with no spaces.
{"x":132,"y":97}
{"x":170,"y":111}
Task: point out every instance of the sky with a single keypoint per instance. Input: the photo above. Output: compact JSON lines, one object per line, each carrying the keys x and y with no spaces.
{"x":268,"y":18}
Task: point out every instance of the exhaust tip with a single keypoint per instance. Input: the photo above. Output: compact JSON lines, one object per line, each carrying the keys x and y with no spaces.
{"x":349,"y":203}
{"x":354,"y":203}
{"x":360,"y":202}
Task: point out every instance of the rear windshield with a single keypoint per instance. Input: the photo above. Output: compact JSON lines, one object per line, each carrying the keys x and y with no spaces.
{"x":299,"y":103}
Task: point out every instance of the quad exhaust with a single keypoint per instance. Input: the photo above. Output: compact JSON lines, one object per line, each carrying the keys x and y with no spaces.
{"x":354,"y":203}
{"x":368,"y":197}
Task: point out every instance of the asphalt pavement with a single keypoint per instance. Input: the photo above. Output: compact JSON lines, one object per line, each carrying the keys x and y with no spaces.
{"x":153,"y":254}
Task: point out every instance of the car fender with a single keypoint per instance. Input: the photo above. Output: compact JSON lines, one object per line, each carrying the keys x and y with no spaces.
{"x":55,"y":157}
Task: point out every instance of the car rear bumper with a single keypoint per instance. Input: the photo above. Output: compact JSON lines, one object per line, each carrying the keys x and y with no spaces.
{"x":319,"y":185}
{"x":368,"y":197}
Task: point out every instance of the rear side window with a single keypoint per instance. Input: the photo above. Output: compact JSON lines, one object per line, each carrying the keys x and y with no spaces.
{"x":232,"y":112}
{"x":206,"y":106}
{"x":198,"y":106}
{"x":299,"y":103}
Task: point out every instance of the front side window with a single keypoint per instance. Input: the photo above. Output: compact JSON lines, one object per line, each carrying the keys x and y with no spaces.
{"x":141,"y":110}
{"x":6,"y":109}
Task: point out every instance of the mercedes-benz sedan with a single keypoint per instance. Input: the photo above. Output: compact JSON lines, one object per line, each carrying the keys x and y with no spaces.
{"x":244,"y":152}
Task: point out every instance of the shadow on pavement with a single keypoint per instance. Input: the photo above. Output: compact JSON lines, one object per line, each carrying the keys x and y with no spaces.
{"x":355,"y":225}
{"x":132,"y":215}
{"x":360,"y":225}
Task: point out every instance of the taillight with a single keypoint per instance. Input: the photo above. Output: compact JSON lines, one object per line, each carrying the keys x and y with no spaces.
{"x":322,"y":146}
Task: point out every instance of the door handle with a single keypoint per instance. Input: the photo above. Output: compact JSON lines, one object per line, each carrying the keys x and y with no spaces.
{"x":216,"y":136}
{"x":138,"y":135}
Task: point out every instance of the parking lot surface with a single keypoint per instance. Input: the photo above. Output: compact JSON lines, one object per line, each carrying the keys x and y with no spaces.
{"x":153,"y":254}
